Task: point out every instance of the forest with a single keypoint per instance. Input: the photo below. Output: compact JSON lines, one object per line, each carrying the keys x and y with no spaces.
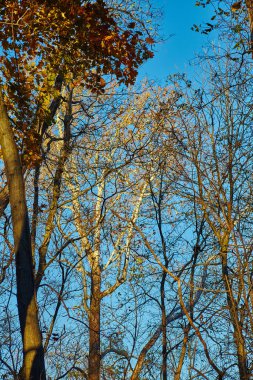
{"x":125,"y":205}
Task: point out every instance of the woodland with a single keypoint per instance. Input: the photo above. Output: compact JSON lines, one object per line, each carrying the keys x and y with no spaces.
{"x":125,"y":208}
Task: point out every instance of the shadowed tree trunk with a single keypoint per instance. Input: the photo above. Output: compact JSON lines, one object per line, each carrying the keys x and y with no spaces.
{"x":33,"y":354}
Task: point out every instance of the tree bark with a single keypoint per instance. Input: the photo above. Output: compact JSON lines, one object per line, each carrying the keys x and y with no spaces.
{"x":56,"y":192}
{"x":182,"y":354}
{"x":233,"y":311}
{"x":94,"y":322}
{"x":249,"y":5}
{"x":33,"y":354}
{"x":4,"y":199}
{"x":164,"y":326}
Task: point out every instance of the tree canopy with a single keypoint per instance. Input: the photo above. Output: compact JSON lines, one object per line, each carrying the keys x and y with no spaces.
{"x":125,"y":209}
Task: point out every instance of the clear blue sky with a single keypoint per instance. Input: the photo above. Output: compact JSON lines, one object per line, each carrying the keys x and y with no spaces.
{"x":181,"y":43}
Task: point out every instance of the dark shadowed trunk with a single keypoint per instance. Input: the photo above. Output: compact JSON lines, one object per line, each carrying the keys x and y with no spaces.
{"x":164,"y":328}
{"x":33,"y":354}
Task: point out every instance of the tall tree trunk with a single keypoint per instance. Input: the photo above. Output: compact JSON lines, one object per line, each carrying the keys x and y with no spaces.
{"x":233,"y":310}
{"x":94,"y":322}
{"x":33,"y":354}
{"x":164,"y":326}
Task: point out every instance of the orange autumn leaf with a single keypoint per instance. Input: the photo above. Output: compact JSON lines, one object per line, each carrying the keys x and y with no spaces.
{"x":149,"y":40}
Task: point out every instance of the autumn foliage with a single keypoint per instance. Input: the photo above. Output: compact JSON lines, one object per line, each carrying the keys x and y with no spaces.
{"x":78,"y":42}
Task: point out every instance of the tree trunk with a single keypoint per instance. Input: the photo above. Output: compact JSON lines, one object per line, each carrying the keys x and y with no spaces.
{"x":182,"y":354}
{"x":232,"y":306}
{"x":164,"y":326}
{"x":94,"y":322}
{"x":249,"y":5}
{"x":33,"y":354}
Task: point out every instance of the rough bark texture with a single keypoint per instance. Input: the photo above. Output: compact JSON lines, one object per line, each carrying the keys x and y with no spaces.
{"x":94,"y":323}
{"x":33,"y":354}
{"x":4,"y":199}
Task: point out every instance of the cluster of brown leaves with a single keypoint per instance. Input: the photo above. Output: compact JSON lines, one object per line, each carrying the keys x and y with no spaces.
{"x":41,"y":39}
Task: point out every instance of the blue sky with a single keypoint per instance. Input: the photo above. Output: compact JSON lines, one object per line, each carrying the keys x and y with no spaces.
{"x":181,"y":43}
